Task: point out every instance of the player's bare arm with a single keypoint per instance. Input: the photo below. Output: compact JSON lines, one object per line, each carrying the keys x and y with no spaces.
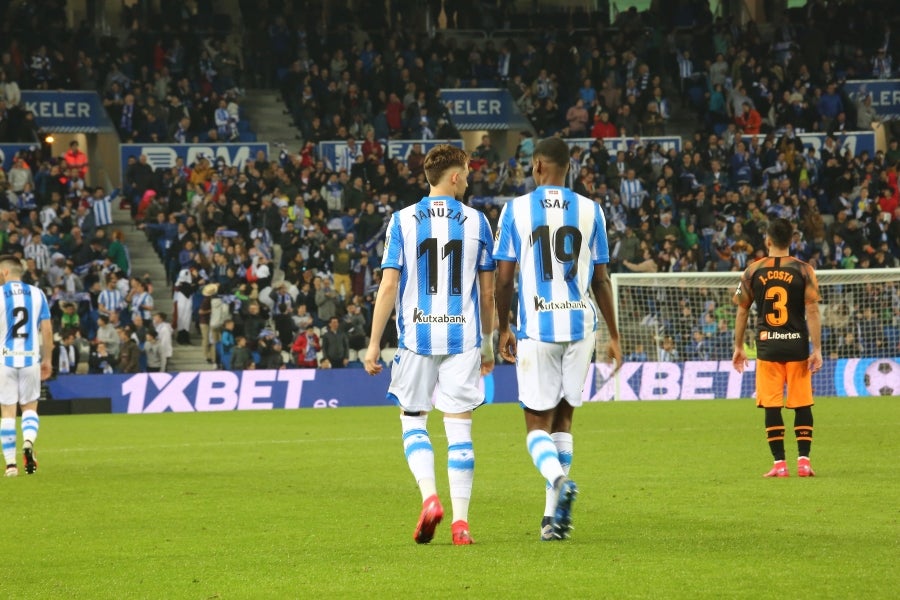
{"x":46,"y":350}
{"x":384,"y":305}
{"x":814,"y":324}
{"x":486,"y":309}
{"x":739,"y":358}
{"x":602,"y":288}
{"x":503,"y":293}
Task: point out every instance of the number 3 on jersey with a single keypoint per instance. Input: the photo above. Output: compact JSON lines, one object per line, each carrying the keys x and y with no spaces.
{"x":779,"y":313}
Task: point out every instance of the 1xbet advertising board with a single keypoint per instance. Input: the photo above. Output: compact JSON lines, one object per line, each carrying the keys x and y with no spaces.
{"x":308,"y":388}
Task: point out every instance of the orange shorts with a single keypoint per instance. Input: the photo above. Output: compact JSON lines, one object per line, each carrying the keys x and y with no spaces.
{"x":771,"y":378}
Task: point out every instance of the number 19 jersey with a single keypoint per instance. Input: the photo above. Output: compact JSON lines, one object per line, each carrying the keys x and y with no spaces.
{"x":22,"y":309}
{"x":556,"y":236}
{"x":439,"y":245}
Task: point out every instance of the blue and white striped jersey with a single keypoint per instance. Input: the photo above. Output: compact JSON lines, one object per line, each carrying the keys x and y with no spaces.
{"x":439,"y":245}
{"x":23,"y":308}
{"x":112,"y":299}
{"x":557,"y":237}
{"x":102,"y":208}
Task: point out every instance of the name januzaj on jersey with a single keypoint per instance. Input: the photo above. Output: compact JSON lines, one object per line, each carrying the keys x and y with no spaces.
{"x":445,"y":212}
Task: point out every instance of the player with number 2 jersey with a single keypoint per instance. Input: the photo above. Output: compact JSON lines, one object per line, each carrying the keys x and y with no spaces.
{"x":27,"y":342}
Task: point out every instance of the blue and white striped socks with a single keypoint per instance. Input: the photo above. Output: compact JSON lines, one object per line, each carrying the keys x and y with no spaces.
{"x":419,"y":452}
{"x":30,"y":424}
{"x":564,"y":445}
{"x":460,"y":465}
{"x":8,"y":440}
{"x":545,"y":455}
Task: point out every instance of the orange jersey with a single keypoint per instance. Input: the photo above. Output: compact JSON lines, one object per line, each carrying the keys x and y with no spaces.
{"x":781,"y":287}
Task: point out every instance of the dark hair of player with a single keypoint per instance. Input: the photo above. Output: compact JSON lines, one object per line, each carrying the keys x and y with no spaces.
{"x":554,"y":150}
{"x":779,"y":232}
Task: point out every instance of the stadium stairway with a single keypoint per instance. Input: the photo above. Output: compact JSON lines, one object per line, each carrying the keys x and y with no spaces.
{"x":265,"y":110}
{"x":144,"y":261}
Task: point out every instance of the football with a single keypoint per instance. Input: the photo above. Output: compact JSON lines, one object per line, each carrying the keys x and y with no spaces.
{"x":882,"y":377}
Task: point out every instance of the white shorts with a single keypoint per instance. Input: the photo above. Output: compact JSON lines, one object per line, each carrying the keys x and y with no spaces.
{"x":20,"y":385}
{"x":447,"y":382}
{"x":548,"y":372}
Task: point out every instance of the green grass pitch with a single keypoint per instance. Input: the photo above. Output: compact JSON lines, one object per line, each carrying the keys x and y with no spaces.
{"x":320,"y":504}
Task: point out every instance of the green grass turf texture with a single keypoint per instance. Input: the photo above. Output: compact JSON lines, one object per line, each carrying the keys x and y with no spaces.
{"x":320,"y":503}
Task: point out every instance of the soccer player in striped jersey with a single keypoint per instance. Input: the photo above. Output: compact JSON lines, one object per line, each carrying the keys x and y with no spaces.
{"x":438,"y":273}
{"x":25,"y":360}
{"x":558,"y":239}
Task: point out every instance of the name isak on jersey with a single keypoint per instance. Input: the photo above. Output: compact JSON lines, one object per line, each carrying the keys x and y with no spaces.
{"x":542,"y":304}
{"x":419,"y":316}
{"x":555,"y":203}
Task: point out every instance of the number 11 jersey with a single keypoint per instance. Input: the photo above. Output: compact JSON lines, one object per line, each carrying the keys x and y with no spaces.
{"x":556,"y":236}
{"x":439,"y":245}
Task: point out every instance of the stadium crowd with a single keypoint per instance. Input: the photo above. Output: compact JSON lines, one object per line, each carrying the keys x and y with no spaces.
{"x":277,"y":262}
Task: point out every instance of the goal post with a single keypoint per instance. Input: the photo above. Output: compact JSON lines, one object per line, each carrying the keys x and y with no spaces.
{"x":676,"y":332}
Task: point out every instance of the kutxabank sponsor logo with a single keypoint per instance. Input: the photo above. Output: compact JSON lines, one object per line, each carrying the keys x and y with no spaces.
{"x":419,"y":317}
{"x":542,"y":304}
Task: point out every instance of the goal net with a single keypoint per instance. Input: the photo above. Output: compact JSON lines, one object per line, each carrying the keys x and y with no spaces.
{"x":676,"y":331}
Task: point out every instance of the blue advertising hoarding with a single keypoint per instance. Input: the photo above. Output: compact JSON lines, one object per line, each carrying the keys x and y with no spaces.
{"x":337,"y":154}
{"x":162,"y":156}
{"x":324,"y":388}
{"x":402,"y":148}
{"x":67,"y":112}
{"x":885,"y":95}
{"x":479,"y":108}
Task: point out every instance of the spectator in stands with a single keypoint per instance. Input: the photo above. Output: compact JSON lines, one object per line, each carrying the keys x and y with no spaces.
{"x":749,"y":120}
{"x":485,"y":153}
{"x":153,"y":352}
{"x":577,"y":117}
{"x":306,"y":347}
{"x":129,"y":353}
{"x":603,"y":128}
{"x":335,"y":345}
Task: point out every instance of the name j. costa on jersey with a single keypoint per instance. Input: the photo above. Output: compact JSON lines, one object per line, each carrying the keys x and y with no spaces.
{"x":419,"y":316}
{"x":542,"y":304}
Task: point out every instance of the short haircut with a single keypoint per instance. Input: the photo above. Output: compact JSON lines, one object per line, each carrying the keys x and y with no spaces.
{"x":780,"y":232}
{"x":441,"y":159}
{"x":8,"y":261}
{"x":554,"y":150}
